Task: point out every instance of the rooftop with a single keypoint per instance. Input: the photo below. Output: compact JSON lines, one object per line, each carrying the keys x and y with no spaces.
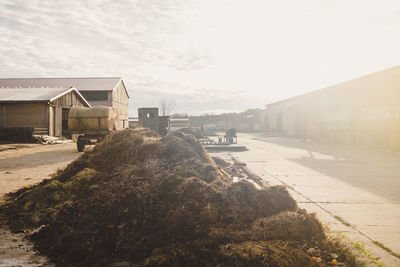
{"x":81,"y":84}
{"x":35,"y":94}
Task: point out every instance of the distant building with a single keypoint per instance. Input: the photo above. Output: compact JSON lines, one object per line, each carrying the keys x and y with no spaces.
{"x":177,"y":124}
{"x":44,"y":109}
{"x":247,"y":121}
{"x":149,"y":118}
{"x":100,"y":91}
{"x":364,"y":111}
{"x":164,"y":125}
{"x":133,"y":122}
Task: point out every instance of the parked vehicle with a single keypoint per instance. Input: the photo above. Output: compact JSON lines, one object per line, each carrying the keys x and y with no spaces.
{"x":91,"y":124}
{"x":230,"y":136}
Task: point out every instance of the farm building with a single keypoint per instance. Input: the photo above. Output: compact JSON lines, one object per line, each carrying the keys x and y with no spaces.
{"x":100,"y":91}
{"x":133,"y":122}
{"x":176,"y":124}
{"x":149,"y":118}
{"x":364,"y":111}
{"x":44,"y":109}
{"x":247,"y":121}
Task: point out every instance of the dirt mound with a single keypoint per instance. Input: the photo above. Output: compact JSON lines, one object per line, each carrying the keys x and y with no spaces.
{"x":138,"y":199}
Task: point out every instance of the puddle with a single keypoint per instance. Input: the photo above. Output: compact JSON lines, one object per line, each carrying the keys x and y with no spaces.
{"x":15,"y":250}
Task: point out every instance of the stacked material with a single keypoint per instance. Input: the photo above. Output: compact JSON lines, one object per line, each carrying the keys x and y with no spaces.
{"x":17,"y":135}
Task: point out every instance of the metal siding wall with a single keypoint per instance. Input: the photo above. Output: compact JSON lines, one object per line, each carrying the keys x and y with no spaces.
{"x":26,"y":115}
{"x":101,"y":103}
{"x":120,"y":102}
{"x":75,"y":101}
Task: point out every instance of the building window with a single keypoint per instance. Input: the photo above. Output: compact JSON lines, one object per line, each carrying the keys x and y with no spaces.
{"x":95,"y":96}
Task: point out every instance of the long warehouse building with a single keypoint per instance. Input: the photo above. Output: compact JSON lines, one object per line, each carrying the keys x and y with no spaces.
{"x":364,"y":111}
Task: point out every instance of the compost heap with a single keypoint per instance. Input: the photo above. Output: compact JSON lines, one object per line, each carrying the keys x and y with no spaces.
{"x":138,"y":199}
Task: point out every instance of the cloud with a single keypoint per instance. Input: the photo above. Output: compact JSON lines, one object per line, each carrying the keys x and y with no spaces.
{"x":209,"y":55}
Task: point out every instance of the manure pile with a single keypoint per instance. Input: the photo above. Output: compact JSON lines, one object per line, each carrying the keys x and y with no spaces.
{"x":138,"y":200}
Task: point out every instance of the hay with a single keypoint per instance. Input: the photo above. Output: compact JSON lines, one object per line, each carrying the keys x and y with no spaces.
{"x":138,"y":199}
{"x":295,"y":226}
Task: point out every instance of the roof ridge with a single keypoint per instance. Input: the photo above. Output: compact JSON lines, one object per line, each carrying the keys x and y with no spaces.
{"x":37,"y":87}
{"x":336,"y":84}
{"x":26,"y":78}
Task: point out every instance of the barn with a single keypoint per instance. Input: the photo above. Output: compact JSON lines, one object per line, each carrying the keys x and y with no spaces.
{"x":44,"y":109}
{"x":364,"y":111}
{"x":98,"y":91}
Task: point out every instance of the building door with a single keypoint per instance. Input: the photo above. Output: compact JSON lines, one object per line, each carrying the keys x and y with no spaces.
{"x":65,"y":121}
{"x":58,"y":121}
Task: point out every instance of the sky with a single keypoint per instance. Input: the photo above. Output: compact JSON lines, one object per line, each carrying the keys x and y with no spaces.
{"x":209,"y":56}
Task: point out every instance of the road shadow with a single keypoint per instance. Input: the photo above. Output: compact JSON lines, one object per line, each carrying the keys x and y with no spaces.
{"x":377,"y":172}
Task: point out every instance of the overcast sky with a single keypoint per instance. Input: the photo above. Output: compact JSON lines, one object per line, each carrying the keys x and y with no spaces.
{"x":209,"y":55}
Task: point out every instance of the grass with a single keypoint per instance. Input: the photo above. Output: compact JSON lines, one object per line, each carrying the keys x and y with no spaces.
{"x":238,"y":163}
{"x":340,"y":219}
{"x":360,"y":246}
{"x":391,"y":252}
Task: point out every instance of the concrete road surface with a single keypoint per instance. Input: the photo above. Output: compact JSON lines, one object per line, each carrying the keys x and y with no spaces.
{"x":25,"y":165}
{"x":354,"y":191}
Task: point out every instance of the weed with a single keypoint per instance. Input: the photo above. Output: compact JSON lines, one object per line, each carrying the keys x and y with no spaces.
{"x":391,"y":252}
{"x":342,"y":221}
{"x":360,"y":246}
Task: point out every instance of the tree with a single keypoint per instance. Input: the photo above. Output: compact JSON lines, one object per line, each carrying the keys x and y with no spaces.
{"x":167,"y":105}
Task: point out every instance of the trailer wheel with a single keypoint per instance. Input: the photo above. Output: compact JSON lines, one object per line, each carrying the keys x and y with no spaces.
{"x":80,"y":144}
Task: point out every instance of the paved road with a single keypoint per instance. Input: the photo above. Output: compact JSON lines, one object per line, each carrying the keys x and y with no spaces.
{"x":343,"y":185}
{"x":22,"y":167}
{"x":32,"y":163}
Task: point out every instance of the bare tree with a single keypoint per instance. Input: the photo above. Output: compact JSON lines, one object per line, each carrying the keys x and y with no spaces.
{"x":167,"y":105}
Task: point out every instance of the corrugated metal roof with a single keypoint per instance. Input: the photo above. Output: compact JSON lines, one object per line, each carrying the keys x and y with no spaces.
{"x":30,"y":94}
{"x":82,"y":84}
{"x":379,"y":87}
{"x":35,"y":94}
